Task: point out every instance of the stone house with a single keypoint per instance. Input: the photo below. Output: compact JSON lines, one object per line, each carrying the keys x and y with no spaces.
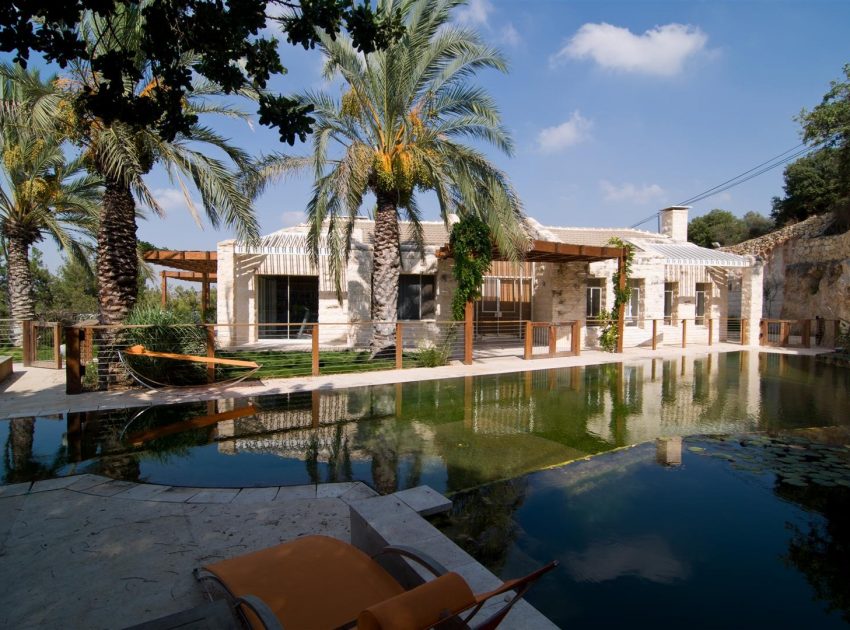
{"x":806,"y":269}
{"x":672,"y":280}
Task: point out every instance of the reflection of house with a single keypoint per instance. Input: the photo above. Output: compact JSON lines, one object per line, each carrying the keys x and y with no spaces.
{"x":276,"y":283}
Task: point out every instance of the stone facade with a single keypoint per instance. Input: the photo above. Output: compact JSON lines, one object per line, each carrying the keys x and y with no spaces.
{"x":806,"y":270}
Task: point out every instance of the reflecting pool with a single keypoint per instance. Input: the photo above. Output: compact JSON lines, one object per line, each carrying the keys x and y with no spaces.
{"x":726,"y":532}
{"x":451,"y":434}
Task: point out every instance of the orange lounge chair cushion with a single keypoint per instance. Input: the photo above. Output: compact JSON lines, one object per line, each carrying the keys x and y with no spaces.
{"x":421,"y":607}
{"x":310,"y":582}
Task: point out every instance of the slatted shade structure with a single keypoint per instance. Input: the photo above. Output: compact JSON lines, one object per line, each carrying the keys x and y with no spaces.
{"x":193,"y":266}
{"x":557,"y":252}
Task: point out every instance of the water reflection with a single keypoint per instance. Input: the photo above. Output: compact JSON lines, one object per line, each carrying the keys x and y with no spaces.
{"x":452,"y":434}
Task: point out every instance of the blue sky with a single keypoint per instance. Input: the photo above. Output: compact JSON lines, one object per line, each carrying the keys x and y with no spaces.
{"x":616,"y":108}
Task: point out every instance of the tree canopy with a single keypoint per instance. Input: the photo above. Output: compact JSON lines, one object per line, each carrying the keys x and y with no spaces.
{"x":812,"y":186}
{"x":228,"y":41}
{"x":723,"y":227}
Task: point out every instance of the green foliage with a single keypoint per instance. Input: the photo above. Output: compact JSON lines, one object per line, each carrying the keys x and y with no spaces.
{"x":721,"y":226}
{"x":430,"y":354}
{"x":472,"y":249}
{"x":608,"y":331}
{"x":73,"y":289}
{"x":166,"y":331}
{"x":226,"y":42}
{"x":812,"y":186}
{"x":758,"y":224}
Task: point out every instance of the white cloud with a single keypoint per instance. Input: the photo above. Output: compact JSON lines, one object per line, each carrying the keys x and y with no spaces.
{"x":476,"y":13}
{"x":510,"y":36}
{"x":576,"y":129}
{"x":292,"y":217}
{"x":661,"y":51}
{"x":630,"y":192}
{"x":172,"y":199}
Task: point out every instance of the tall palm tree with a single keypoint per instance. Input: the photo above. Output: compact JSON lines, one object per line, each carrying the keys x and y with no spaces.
{"x":122,"y":155}
{"x":42,"y":192}
{"x":400,"y":128}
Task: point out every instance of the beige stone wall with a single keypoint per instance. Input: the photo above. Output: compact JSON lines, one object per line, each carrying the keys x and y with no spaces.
{"x":806,"y":277}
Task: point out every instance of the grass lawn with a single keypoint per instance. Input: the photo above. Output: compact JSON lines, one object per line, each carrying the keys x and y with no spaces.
{"x":11,"y":351}
{"x":299,"y":363}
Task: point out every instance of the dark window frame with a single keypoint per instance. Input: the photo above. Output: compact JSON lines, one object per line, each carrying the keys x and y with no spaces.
{"x":425,"y":309}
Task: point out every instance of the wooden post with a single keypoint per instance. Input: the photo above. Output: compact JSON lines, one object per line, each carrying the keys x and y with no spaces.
{"x":26,"y":342}
{"x":399,"y":357}
{"x":468,"y":331}
{"x":73,"y":371}
{"x":621,"y":311}
{"x":710,"y":330}
{"x":575,"y":338}
{"x":315,"y":349}
{"x":806,"y":326}
{"x":745,"y":332}
{"x":553,"y":340}
{"x":763,"y":333}
{"x":529,"y":340}
{"x":684,"y":333}
{"x":210,"y":329}
{"x":205,"y":297}
{"x":654,"y":336}
{"x":57,"y":341}
{"x":163,"y":289}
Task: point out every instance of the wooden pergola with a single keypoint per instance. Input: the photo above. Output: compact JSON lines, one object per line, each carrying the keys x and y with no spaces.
{"x":192,"y":266}
{"x":557,"y":252}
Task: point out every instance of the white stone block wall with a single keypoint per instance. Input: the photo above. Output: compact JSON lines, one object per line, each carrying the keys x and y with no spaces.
{"x":752,"y":300}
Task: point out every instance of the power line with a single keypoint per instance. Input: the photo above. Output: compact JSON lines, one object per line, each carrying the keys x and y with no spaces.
{"x":764,"y":166}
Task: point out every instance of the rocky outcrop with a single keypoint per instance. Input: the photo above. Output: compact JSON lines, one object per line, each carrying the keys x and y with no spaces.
{"x":812,"y":227}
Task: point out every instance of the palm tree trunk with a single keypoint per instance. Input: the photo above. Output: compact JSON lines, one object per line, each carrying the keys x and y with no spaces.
{"x":20,"y":279}
{"x":117,"y":264}
{"x":385,"y":270}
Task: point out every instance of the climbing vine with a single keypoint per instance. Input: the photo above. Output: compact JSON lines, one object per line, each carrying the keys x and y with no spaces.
{"x":472,"y":250}
{"x":608,"y":332}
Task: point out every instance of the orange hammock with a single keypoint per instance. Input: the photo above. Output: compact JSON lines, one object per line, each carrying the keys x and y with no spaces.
{"x":141,"y":351}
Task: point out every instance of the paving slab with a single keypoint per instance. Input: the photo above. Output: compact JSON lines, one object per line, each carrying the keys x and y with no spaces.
{"x":84,"y":482}
{"x":176,"y":495}
{"x":142,"y":491}
{"x":215,"y":495}
{"x":358,"y":492}
{"x":292,"y":493}
{"x":425,"y":500}
{"x":256,"y":495}
{"x":46,"y":485}
{"x":15,"y":489}
{"x":334,"y":490}
{"x":109,"y":488}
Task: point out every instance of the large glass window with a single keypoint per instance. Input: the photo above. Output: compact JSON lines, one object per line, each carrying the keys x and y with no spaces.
{"x":291,"y":301}
{"x":416,"y":296}
{"x":594,"y":298}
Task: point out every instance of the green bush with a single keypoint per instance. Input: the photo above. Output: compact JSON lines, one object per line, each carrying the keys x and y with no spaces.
{"x":166,"y":331}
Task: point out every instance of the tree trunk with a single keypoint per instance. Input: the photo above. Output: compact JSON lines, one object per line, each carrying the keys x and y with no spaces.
{"x":20,"y":467}
{"x":117,"y":262}
{"x":385,"y":269}
{"x":20,"y":279}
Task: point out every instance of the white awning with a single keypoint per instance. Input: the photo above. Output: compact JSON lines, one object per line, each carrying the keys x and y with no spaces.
{"x":690,"y":255}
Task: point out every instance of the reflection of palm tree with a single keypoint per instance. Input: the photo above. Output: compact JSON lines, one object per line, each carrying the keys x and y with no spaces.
{"x":311,"y":459}
{"x":18,"y":463}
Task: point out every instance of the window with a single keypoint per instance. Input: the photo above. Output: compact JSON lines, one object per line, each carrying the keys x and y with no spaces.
{"x":292,"y":301}
{"x":633,"y":312}
{"x":416,"y":296}
{"x":594,"y":297}
{"x":669,"y":301}
{"x":702,"y":291}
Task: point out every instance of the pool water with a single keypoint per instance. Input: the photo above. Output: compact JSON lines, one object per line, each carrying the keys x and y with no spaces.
{"x":451,"y":434}
{"x":716,"y":533}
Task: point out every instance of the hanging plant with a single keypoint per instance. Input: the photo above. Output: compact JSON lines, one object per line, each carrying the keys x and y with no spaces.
{"x":472,"y":249}
{"x":608,"y":332}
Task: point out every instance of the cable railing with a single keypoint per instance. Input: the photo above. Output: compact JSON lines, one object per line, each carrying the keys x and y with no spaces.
{"x":97,"y":356}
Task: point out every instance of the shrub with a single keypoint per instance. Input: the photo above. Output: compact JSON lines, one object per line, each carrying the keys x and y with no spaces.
{"x":165,"y":331}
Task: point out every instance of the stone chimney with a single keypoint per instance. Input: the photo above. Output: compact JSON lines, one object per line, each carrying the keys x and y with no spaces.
{"x":673,"y":222}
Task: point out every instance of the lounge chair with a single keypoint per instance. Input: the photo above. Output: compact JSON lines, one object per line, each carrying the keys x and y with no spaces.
{"x":317,"y":582}
{"x":140,"y":351}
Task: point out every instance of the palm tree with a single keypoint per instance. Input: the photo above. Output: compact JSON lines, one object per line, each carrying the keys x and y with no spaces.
{"x":399,"y":129}
{"x":42,"y":193}
{"x":122,"y":155}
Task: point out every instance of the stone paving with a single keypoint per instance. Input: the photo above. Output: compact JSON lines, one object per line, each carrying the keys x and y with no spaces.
{"x":41,"y":392}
